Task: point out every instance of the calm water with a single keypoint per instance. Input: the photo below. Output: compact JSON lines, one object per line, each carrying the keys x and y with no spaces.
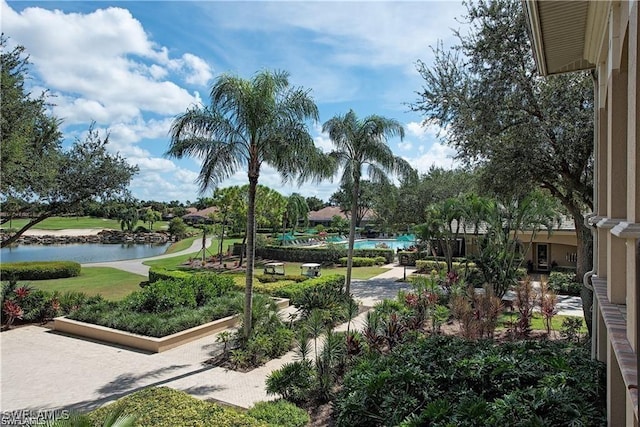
{"x":81,"y":252}
{"x":392,"y":244}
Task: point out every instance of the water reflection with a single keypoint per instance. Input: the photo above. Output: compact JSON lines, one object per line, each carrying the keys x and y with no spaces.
{"x":82,"y":252}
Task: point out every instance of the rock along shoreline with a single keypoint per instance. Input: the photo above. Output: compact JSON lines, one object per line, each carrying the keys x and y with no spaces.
{"x":104,"y":236}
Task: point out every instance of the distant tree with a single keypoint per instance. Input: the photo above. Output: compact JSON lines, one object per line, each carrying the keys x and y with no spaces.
{"x":224,"y":199}
{"x":295,"y":210}
{"x":250,"y":123}
{"x":150,"y":216}
{"x":315,"y":204}
{"x":128,"y":218}
{"x":343,"y":198}
{"x":360,"y":146}
{"x":501,"y":249}
{"x":339,"y":223}
{"x":177,"y":228}
{"x":444,"y":227}
{"x":204,"y":203}
{"x":178,"y":211}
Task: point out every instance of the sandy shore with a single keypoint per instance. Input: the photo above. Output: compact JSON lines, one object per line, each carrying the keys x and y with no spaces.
{"x":67,"y":232}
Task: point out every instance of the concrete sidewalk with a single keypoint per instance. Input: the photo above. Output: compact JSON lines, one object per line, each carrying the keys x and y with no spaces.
{"x":42,"y":369}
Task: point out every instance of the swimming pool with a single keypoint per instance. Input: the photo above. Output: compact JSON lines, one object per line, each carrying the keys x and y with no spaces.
{"x":391,"y":243}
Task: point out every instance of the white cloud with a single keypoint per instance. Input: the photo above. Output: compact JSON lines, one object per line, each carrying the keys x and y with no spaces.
{"x":200,"y":72}
{"x":438,"y":155}
{"x":405,"y":146}
{"x":102,"y":65}
{"x":423,"y":132}
{"x":153,"y":164}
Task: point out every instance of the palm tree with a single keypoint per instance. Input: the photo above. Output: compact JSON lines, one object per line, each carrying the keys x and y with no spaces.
{"x":361,"y":145}
{"x":249,"y":123}
{"x":296,"y":208}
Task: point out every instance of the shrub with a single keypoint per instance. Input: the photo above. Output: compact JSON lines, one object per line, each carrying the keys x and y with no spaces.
{"x":161,"y":296}
{"x":40,"y":270}
{"x":363,"y":262}
{"x":564,"y":283}
{"x":156,"y":274}
{"x":271,"y":278}
{"x":330,"y":254}
{"x":279,"y":413}
{"x":165,"y":407}
{"x":293,"y":381}
{"x":444,"y":380}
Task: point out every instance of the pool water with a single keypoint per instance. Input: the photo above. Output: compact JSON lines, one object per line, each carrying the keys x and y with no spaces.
{"x":391,"y":243}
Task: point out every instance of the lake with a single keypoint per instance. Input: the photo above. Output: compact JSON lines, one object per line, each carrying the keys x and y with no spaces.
{"x":82,"y":252}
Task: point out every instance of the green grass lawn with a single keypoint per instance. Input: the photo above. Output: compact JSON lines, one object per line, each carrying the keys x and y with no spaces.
{"x":181,"y":245}
{"x":111,"y":283}
{"x":71,"y":222}
{"x":537,"y":323}
{"x":177,"y":261}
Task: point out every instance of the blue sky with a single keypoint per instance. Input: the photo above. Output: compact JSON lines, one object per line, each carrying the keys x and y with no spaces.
{"x":132,"y":66}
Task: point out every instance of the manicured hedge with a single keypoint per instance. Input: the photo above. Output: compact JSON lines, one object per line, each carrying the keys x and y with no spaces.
{"x":330,"y":254}
{"x":156,"y":274}
{"x":363,"y":262}
{"x":272,"y":278}
{"x":39,"y":270}
{"x":165,"y":407}
{"x":294,"y":290}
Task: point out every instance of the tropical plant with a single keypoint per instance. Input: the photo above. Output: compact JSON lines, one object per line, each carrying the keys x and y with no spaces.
{"x":361,"y":145}
{"x":128,"y":218}
{"x":224,"y":199}
{"x":177,"y":228}
{"x":292,"y":381}
{"x":151,"y":216}
{"x":525,"y":131}
{"x":250,"y":123}
{"x":296,"y":209}
{"x":443,"y":228}
{"x":548,"y":300}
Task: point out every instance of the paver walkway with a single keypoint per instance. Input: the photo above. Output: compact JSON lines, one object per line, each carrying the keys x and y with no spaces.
{"x":41,"y":369}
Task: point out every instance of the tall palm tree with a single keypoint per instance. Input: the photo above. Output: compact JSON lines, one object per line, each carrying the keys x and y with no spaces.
{"x":250,"y":122}
{"x":360,"y":146}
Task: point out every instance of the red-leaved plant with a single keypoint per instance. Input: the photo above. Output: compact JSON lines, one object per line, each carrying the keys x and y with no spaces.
{"x":13,"y":311}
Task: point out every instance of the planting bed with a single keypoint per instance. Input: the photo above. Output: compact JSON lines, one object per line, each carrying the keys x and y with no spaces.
{"x":145,"y":343}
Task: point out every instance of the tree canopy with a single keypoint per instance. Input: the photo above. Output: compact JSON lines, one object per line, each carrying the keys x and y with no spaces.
{"x":522,"y":130}
{"x":38,"y":177}
{"x":360,"y":147}
{"x":251,"y":122}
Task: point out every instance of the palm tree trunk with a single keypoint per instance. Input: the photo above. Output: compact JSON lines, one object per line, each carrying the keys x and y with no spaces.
{"x":352,"y":235}
{"x":251,"y":248}
{"x":224,"y":220}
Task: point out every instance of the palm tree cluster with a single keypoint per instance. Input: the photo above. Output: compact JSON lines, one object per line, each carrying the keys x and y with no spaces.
{"x":263,"y":120}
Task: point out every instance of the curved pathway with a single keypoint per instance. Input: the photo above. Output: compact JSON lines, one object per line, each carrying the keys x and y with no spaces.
{"x":136,"y":266}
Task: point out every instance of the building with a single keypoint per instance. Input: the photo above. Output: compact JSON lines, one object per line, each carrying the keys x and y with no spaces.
{"x":204,"y":216}
{"x":325,"y":215}
{"x":604,"y":36}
